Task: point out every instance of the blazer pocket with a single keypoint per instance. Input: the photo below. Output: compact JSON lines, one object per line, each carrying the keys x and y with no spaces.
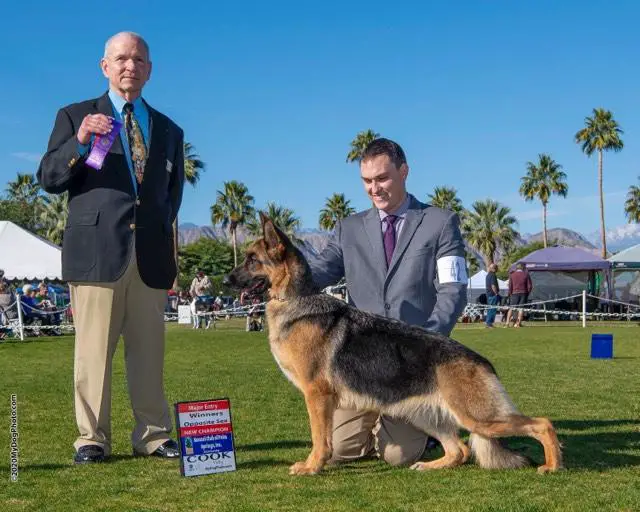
{"x":80,"y":242}
{"x":85,"y":219}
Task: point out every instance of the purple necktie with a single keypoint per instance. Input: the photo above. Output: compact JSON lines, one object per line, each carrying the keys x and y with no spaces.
{"x":389,"y":237}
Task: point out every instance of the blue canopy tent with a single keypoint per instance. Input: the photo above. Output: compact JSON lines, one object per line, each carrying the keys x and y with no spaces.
{"x":562,"y":271}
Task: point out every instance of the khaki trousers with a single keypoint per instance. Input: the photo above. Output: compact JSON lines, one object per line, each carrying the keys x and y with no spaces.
{"x":101,"y":312}
{"x":358,"y":434}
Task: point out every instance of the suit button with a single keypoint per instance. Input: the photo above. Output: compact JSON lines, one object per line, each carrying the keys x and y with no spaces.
{"x":132,"y":226}
{"x":387,"y":306}
{"x":137,"y":202}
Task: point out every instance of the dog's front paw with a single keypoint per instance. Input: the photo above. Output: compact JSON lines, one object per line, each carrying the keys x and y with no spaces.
{"x":549,"y":468}
{"x":301,"y":468}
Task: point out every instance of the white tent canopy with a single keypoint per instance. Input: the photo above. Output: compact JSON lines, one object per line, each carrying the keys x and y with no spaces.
{"x":629,"y":258}
{"x":478,"y":281}
{"x":626,"y":275}
{"x":24,"y":255}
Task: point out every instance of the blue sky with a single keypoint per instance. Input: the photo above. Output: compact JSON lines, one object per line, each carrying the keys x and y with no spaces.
{"x":271,"y":93}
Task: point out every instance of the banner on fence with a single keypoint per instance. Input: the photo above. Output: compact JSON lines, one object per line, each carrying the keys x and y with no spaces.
{"x":184,"y":314}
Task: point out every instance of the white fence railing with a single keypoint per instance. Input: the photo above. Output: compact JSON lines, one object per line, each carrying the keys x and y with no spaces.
{"x":28,"y":320}
{"x":632,"y":310}
{"x":20,"y":318}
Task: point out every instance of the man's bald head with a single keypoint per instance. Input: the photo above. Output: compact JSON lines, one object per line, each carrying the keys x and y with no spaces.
{"x":126,"y":64}
{"x":125,"y":35}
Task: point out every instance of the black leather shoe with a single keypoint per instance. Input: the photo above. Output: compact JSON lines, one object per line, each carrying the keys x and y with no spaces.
{"x":168,"y":450}
{"x":89,"y":454}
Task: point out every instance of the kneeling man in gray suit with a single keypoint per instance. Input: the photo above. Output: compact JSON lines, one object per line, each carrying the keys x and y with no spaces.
{"x":401,"y":259}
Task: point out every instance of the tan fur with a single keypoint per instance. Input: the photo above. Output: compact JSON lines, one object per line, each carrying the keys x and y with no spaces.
{"x":481,"y":405}
{"x":299,"y":352}
{"x":302,"y":355}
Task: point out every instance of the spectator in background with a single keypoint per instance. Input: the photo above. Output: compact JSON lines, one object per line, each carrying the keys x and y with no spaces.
{"x":8,"y":286}
{"x":520,"y":286}
{"x":30,"y":310}
{"x":493,"y":294}
{"x":195,"y":319}
{"x":6,"y":294}
{"x":7,"y":298}
{"x":42,"y":296}
{"x":183,"y":298}
{"x":201,"y":285}
{"x":46,"y":304}
{"x":172,"y":302}
{"x":255,"y":316}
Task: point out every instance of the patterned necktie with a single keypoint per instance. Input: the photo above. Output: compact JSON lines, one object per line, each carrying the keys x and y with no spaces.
{"x":136,"y":142}
{"x":389,"y":237}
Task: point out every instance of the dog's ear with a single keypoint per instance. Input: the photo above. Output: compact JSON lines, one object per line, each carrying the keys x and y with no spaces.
{"x":272,"y":235}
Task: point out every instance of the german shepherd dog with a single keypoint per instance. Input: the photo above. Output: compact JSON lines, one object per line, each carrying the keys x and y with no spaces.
{"x":338,"y":355}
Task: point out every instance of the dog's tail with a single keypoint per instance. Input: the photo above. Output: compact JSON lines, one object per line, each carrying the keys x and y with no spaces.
{"x":491,"y":454}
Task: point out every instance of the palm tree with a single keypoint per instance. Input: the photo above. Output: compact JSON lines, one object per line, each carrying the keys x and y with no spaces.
{"x":632,"y":204}
{"x":472,"y":262}
{"x":282,"y":217}
{"x":446,"y":198}
{"x":335,"y":209}
{"x":487,"y":227}
{"x":542,"y":181}
{"x":52,"y":216}
{"x":233,"y":208}
{"x":192,"y":168}
{"x":601,"y":133}
{"x":24,"y":189}
{"x":359,"y":144}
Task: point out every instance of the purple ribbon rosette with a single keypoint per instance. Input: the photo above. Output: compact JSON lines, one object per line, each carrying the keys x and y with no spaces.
{"x":102,"y":144}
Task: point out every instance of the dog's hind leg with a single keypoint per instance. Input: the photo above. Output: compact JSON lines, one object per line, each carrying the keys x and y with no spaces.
{"x":320,"y":406}
{"x":540,"y":429}
{"x":456,"y":453}
{"x":476,"y":398}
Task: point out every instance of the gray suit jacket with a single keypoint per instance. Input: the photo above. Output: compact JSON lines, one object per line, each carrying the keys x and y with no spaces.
{"x":410,"y":289}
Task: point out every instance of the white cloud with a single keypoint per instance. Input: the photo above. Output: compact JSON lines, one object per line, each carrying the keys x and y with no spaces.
{"x":29,"y":157}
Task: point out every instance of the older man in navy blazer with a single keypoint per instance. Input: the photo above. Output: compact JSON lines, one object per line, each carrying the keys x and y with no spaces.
{"x":117,"y":252}
{"x":401,"y":259}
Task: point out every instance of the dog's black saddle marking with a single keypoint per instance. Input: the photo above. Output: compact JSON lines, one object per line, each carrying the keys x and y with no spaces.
{"x":391,"y":361}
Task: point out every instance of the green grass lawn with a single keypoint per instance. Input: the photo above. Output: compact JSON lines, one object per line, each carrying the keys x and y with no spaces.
{"x":595,"y":405}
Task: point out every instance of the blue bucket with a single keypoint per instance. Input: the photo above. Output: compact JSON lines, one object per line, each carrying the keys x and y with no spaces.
{"x":601,"y":346}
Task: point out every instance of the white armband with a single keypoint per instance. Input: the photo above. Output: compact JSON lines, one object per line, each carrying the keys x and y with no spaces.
{"x":452,"y":269}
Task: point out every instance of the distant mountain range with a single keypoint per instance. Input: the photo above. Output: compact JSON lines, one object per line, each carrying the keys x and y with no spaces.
{"x":315,"y":240}
{"x":562,"y":236}
{"x":619,"y":238}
